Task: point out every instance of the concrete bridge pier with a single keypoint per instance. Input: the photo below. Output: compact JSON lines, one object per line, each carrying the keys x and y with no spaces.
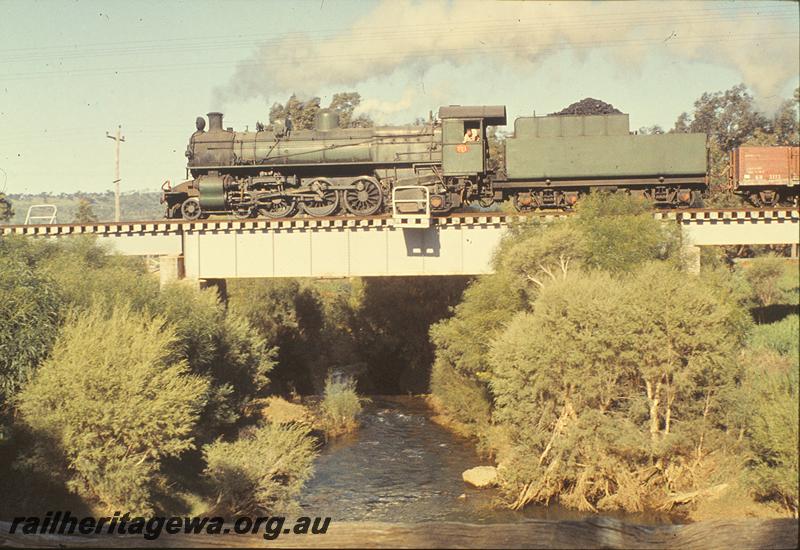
{"x":170,"y":268}
{"x":691,"y":256}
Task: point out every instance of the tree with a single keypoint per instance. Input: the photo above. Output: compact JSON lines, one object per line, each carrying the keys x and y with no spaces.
{"x":84,"y":214}
{"x":688,"y":333}
{"x":561,"y":374}
{"x":6,"y":208}
{"x":731,"y":118}
{"x":589,"y":384}
{"x":286,"y":317}
{"x":345,"y":103}
{"x":611,"y":232}
{"x":651,"y":130}
{"x":116,"y":401}
{"x":497,"y":149}
{"x":302,"y":113}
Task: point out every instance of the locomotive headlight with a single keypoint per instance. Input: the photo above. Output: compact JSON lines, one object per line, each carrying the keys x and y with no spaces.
{"x":436,"y":201}
{"x":684,"y":196}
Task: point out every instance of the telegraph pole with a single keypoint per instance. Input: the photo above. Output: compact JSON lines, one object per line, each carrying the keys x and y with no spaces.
{"x":118,"y":138}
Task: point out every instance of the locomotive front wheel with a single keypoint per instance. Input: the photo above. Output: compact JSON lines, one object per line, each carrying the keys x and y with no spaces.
{"x":365,"y":198}
{"x":278,"y":208}
{"x":190,"y":209}
{"x":322,"y":206}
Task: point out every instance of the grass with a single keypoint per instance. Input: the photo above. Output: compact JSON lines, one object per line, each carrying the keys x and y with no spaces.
{"x":340,"y":407}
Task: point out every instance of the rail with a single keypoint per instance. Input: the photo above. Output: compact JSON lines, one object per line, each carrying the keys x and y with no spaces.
{"x":471,"y":218}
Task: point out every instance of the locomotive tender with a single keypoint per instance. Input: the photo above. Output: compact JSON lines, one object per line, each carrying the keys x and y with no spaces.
{"x":430,"y":169}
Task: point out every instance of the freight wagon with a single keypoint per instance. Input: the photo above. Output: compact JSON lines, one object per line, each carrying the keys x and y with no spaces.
{"x":766,"y":176}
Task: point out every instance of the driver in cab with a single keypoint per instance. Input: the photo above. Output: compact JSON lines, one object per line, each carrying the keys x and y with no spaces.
{"x":471,"y":135}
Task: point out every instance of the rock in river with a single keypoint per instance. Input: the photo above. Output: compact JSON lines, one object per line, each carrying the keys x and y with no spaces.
{"x":480,"y":476}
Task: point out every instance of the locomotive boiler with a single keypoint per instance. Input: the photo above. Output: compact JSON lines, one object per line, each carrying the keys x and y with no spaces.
{"x":430,"y":168}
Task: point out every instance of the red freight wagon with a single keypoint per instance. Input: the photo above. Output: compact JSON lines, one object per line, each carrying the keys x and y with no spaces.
{"x":766,"y":175}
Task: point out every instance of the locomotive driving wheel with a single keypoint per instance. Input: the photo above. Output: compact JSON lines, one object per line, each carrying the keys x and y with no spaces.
{"x":365,"y":198}
{"x":280,"y":207}
{"x":325,"y":202}
{"x":242,"y":212}
{"x":190,"y":209}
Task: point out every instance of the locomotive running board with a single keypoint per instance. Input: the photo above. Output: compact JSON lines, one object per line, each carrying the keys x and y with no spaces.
{"x":411,"y":206}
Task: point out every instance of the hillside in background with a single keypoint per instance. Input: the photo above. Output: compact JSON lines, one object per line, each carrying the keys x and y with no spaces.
{"x":137,"y":205}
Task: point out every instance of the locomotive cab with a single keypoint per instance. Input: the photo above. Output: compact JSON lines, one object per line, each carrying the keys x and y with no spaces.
{"x":464,"y":144}
{"x":463,"y":171}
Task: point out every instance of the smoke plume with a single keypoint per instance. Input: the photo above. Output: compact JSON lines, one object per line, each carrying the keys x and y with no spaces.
{"x":759,"y":41}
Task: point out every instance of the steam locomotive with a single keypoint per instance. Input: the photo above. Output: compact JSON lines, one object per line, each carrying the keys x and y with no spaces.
{"x":432,"y":168}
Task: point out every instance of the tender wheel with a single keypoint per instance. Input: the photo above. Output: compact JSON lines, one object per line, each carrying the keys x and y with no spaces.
{"x":697,"y":200}
{"x":755,"y":200}
{"x":326,"y":201}
{"x":365,"y":198}
{"x":523,"y":202}
{"x":278,"y":208}
{"x":190,"y":209}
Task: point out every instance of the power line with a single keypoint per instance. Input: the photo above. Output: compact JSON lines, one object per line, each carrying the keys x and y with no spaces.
{"x":441,"y":52}
{"x":602,"y":21}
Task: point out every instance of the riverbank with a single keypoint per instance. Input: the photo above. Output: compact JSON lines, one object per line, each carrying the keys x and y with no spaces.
{"x":593,"y":533}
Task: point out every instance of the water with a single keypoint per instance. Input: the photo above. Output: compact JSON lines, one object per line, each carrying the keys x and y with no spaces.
{"x":402,"y":467}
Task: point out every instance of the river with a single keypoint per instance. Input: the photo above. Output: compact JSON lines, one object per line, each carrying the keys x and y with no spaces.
{"x":402,"y":467}
{"x":397,"y":483}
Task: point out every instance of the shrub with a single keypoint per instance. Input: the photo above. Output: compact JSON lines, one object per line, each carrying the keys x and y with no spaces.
{"x":769,"y":399}
{"x":116,"y":401}
{"x":262,"y":471}
{"x":340,"y":407}
{"x":220,"y":345}
{"x":29,"y":317}
{"x":461,"y":399}
{"x":87,"y":273}
{"x":773,"y":280}
{"x":781,"y":337}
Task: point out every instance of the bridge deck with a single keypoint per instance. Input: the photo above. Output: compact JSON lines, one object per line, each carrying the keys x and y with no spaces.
{"x":460,"y":244}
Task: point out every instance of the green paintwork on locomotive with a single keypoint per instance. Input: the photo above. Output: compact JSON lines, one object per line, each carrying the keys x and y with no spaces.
{"x":389,"y":145}
{"x":599,"y":146}
{"x":212,"y":194}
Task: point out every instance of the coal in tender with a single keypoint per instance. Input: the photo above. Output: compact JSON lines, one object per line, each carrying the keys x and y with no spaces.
{"x":589,"y":106}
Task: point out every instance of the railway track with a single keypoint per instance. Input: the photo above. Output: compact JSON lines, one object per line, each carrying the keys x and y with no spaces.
{"x":697,"y":215}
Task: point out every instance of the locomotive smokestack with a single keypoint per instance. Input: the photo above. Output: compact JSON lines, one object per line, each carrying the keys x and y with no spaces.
{"x":214,"y":122}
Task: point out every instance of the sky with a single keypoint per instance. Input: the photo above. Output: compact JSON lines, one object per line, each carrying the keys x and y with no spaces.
{"x":71,"y":71}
